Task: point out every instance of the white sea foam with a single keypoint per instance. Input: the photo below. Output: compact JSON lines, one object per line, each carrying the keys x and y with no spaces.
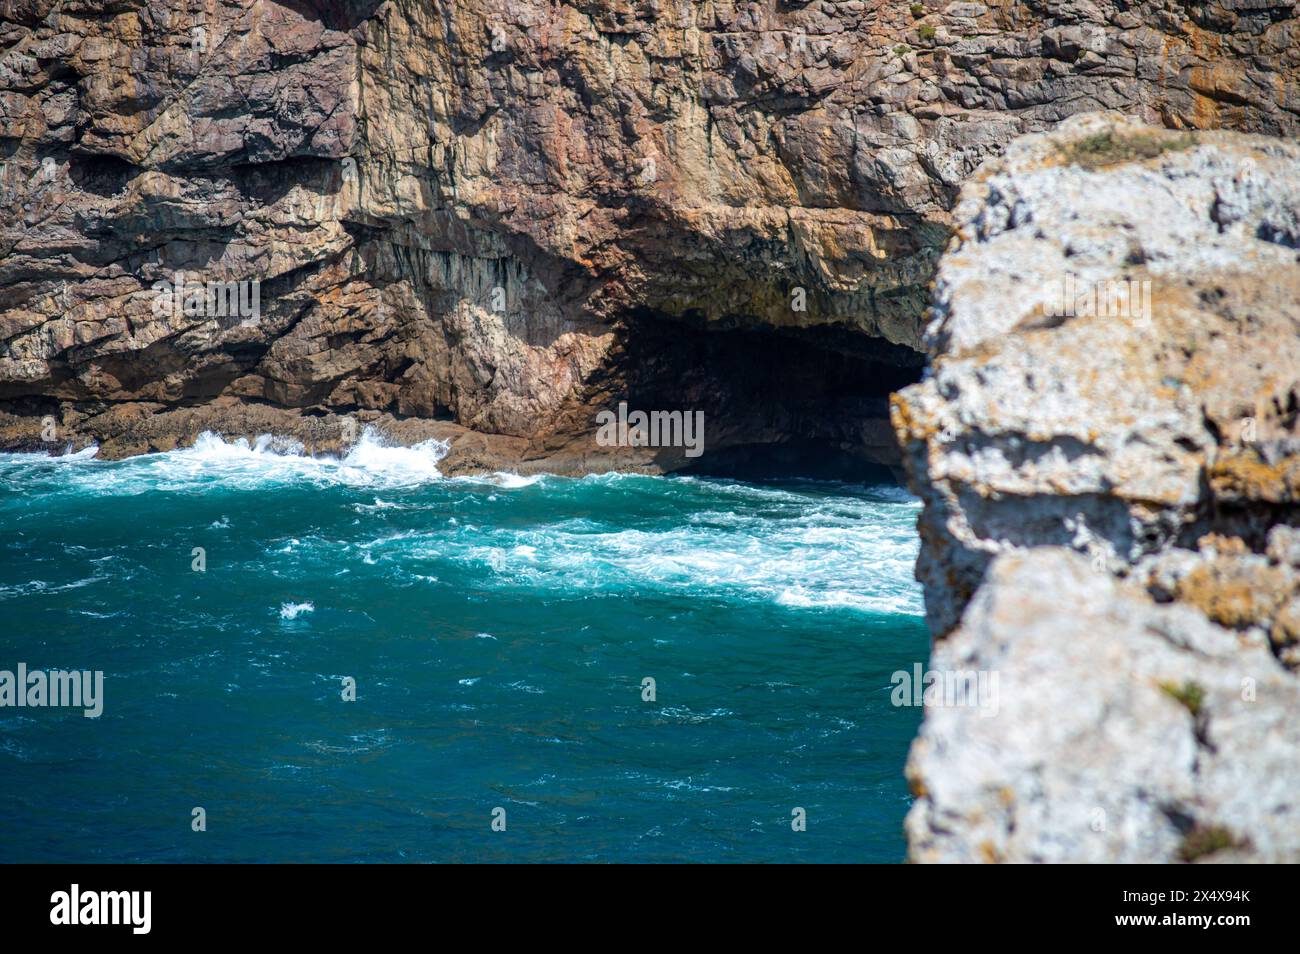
{"x":503,"y":479}
{"x":70,"y":456}
{"x":371,"y":462}
{"x":805,"y":598}
{"x":799,"y":563}
{"x":41,"y":587}
{"x":812,"y":552}
{"x":805,"y":546}
{"x":294,"y":610}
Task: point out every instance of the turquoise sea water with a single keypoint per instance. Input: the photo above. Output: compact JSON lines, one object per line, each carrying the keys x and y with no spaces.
{"x":499,"y":631}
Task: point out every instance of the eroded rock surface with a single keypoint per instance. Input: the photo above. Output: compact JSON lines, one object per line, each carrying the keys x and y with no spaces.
{"x":1111,"y":502}
{"x":1125,"y":731}
{"x":490,"y":213}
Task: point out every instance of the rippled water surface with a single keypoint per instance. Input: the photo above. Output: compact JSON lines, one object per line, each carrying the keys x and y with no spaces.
{"x":499,"y":631}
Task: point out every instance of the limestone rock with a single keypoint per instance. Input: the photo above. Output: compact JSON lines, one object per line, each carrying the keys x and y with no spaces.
{"x":1118,"y":431}
{"x":1107,"y":445}
{"x":1124,"y":731}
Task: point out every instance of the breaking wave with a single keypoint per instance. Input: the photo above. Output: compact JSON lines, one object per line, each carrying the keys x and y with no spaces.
{"x":268,"y":460}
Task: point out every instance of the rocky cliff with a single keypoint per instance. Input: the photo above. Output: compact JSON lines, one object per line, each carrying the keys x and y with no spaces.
{"x":1108,"y":447}
{"x":488,"y":221}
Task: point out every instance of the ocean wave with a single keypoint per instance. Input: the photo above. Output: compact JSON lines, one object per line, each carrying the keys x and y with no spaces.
{"x":801,"y":545}
{"x":857,"y":555}
{"x":868,"y":569}
{"x":41,"y":587}
{"x":294,"y":610}
{"x":505,"y":480}
{"x":800,"y":597}
{"x":371,"y":462}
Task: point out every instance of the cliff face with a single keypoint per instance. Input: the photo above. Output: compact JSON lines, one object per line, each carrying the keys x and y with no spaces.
{"x":504,"y":216}
{"x":1108,"y":447}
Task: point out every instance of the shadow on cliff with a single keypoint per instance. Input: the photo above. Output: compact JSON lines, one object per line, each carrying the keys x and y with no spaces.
{"x":339,"y":15}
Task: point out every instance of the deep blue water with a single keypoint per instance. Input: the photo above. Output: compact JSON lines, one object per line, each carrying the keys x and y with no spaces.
{"x":498,"y":630}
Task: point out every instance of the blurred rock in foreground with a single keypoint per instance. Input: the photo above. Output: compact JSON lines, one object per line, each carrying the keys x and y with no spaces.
{"x":1108,"y":448}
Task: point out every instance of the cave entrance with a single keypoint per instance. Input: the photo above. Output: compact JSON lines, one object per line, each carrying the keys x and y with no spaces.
{"x":777,"y":402}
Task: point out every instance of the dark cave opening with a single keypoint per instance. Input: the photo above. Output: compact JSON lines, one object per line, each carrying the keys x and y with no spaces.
{"x":777,"y":402}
